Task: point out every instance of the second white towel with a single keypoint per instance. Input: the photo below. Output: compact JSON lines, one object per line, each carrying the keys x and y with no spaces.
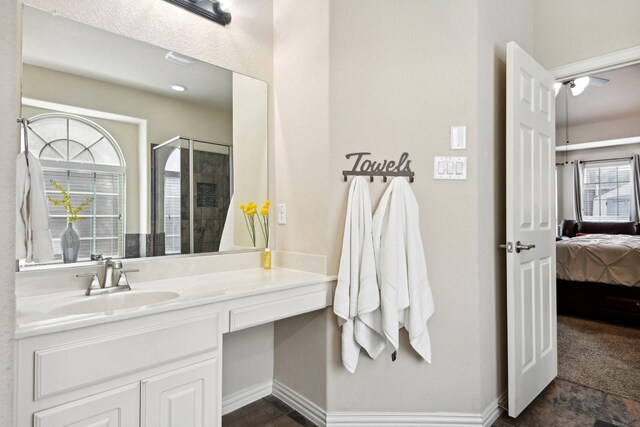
{"x":406,"y":299}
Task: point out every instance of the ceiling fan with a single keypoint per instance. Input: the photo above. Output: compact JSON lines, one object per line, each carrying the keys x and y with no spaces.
{"x":578,"y":85}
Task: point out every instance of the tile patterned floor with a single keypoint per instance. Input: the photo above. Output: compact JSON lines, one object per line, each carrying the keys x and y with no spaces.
{"x":266,"y":412}
{"x":565,"y":404}
{"x":561,"y":404}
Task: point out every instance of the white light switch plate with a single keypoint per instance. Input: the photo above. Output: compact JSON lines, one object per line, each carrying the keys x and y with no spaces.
{"x":282,"y":214}
{"x":458,"y":137}
{"x":454,"y":168}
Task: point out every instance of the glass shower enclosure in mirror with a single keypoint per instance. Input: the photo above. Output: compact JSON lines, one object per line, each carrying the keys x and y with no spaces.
{"x":107,"y":118}
{"x":190,"y":192}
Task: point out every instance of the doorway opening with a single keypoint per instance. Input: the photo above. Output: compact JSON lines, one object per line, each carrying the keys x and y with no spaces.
{"x":598,"y":243}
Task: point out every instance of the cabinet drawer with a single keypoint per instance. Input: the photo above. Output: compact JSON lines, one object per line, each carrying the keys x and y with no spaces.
{"x":245,"y":317}
{"x":627,"y":305}
{"x":79,"y":364}
{"x":115,"y":408}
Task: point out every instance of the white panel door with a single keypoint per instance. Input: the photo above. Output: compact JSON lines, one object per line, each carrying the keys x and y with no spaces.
{"x":115,"y":408}
{"x":531,"y":268}
{"x":186,"y":397}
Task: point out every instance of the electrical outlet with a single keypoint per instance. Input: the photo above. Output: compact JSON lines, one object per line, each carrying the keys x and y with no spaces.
{"x":282,"y":214}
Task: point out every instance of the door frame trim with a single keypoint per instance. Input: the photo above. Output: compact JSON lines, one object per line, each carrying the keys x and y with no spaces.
{"x":609,"y":61}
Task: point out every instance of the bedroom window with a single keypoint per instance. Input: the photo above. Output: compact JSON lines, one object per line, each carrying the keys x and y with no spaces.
{"x":606,"y":191}
{"x":85,"y":159}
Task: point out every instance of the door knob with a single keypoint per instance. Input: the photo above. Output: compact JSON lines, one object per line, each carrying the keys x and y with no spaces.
{"x":508,"y":246}
{"x":522,"y":247}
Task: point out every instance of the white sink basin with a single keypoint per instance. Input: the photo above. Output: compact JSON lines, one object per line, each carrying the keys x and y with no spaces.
{"x":112,"y":302}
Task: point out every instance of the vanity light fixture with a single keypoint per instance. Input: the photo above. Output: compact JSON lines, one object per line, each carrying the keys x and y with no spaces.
{"x":179,"y":88}
{"x":211,"y":9}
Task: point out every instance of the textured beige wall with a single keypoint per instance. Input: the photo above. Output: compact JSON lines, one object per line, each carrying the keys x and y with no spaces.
{"x":247,"y":358}
{"x":567,"y":31}
{"x":500,"y":21}
{"x":401,"y":74}
{"x":9,"y":111}
{"x":301,"y":100}
{"x":302,"y":175}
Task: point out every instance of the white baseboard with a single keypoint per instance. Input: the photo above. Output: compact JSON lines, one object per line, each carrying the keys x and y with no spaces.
{"x":307,"y":408}
{"x":243,"y":397}
{"x":402,"y":419}
{"x":320,"y":417}
{"x":494,"y":409}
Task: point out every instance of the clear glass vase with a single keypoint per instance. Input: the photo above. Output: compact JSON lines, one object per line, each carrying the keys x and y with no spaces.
{"x":70,"y":244}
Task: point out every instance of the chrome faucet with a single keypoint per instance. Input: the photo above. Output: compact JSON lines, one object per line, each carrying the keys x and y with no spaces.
{"x":108,"y":285}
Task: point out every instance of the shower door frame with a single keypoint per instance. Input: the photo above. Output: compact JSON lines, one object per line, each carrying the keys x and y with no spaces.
{"x":191,"y":184}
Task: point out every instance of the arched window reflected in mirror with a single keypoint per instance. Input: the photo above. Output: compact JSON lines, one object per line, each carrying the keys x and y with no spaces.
{"x":87,"y":162}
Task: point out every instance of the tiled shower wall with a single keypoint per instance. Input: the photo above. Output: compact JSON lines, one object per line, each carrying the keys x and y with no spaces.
{"x":211,"y":200}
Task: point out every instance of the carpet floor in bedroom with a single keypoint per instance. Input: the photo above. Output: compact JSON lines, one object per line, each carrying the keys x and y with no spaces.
{"x":600,"y":355}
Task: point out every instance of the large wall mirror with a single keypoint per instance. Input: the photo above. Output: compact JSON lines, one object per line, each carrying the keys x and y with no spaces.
{"x":166,"y":147}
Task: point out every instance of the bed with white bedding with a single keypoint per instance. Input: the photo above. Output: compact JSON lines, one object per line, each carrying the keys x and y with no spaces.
{"x":598,"y":270}
{"x":600,"y":258}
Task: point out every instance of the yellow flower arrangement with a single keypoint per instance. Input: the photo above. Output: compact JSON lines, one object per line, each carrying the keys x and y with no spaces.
{"x":72,"y":213}
{"x":264,"y":222}
{"x":249,"y":211}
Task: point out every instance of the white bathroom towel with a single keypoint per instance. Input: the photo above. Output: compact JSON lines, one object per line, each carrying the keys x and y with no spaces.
{"x":226,"y":240}
{"x":406,"y":299}
{"x":357,"y":297}
{"x":33,"y":239}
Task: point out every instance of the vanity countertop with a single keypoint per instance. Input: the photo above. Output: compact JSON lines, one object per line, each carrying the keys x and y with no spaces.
{"x":36,"y":315}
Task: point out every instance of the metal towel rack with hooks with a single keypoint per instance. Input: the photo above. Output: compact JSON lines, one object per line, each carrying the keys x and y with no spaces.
{"x":384,"y":175}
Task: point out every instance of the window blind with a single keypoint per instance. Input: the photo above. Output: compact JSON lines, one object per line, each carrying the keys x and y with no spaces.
{"x":606,"y":191}
{"x":172,"y":212}
{"x":101,"y":227}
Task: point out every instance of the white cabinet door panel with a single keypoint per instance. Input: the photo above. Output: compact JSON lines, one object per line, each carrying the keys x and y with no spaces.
{"x":185,"y":397}
{"x":114,"y":408}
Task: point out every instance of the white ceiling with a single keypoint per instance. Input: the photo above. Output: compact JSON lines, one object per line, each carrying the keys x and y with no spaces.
{"x":619,"y":98}
{"x":61,"y":44}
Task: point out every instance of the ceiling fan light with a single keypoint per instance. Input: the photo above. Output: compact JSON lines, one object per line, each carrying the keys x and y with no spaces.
{"x":579,"y":85}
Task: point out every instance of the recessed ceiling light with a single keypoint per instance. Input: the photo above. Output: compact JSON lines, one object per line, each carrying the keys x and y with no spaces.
{"x":179,"y":88}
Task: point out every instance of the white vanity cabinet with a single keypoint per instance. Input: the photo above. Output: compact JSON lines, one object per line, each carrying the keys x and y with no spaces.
{"x":156,"y":366}
{"x":157,"y":370}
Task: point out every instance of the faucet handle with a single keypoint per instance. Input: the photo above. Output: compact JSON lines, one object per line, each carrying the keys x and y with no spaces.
{"x":122,"y":279}
{"x":95,"y":283}
{"x":96,"y":257}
